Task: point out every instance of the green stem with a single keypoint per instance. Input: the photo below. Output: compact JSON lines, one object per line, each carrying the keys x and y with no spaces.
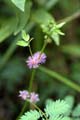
{"x":22,"y":111}
{"x":30,"y":50}
{"x":44,"y":46}
{"x":31,"y":80}
{"x":39,"y":110}
{"x":30,"y":88}
{"x":60,"y":78}
{"x":70,"y":18}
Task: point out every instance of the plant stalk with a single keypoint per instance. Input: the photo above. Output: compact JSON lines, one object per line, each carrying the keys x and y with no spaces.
{"x":60,"y":78}
{"x":30,"y":88}
{"x":70,"y":18}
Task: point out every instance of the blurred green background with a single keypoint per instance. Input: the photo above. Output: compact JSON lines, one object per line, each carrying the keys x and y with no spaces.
{"x":64,"y":59}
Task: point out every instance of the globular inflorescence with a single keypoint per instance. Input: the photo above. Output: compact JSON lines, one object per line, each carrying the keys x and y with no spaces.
{"x":32,"y":97}
{"x":36,"y":59}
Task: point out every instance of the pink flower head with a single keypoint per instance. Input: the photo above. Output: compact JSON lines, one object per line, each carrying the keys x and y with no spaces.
{"x":41,"y":57}
{"x":34,"y":97}
{"x":35,"y":60}
{"x":24,"y":94}
{"x":32,"y":62}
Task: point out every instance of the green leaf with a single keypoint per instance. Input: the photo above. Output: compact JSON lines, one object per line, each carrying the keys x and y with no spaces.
{"x":60,"y":32}
{"x":76,"y":111}
{"x":22,"y":17}
{"x":20,"y":4}
{"x":7,"y":28}
{"x":66,"y":118}
{"x":32,"y":115}
{"x":70,"y":101}
{"x":48,"y":24}
{"x":55,"y":37}
{"x":56,"y":108}
{"x":25,"y":36}
{"x":60,"y":118}
{"x":22,"y":43}
{"x":42,"y":17}
{"x":61,"y":24}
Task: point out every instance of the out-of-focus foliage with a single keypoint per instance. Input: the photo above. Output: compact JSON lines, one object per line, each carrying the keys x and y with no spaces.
{"x":20,"y":4}
{"x":38,"y":18}
{"x":7,"y":28}
{"x":13,"y":73}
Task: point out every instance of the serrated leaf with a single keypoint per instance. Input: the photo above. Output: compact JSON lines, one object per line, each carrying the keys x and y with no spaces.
{"x":70,"y":101}
{"x":66,"y":118}
{"x":56,"y":108}
{"x":22,"y":43}
{"x":59,"y":118}
{"x":25,"y":36}
{"x":19,"y":4}
{"x":32,"y":115}
{"x":76,"y":111}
